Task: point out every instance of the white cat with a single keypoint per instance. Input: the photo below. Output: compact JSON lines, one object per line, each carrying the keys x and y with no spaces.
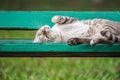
{"x":74,"y":31}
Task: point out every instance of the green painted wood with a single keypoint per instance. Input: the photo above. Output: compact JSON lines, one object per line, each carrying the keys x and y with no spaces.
{"x":35,"y":19}
{"x":28,"y":46}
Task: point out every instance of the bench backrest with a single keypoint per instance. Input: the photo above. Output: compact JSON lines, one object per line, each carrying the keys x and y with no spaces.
{"x":35,"y":19}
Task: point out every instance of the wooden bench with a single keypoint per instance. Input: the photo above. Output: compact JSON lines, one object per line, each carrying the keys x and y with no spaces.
{"x":32,"y":20}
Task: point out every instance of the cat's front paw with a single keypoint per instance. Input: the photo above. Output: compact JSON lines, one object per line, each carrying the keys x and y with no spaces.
{"x":73,"y":41}
{"x":56,"y":19}
{"x":63,"y":20}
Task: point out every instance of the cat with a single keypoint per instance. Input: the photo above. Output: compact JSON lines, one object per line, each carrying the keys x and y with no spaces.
{"x":73,"y":31}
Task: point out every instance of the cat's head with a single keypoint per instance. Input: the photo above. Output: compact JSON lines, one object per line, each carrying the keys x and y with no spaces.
{"x":46,"y":34}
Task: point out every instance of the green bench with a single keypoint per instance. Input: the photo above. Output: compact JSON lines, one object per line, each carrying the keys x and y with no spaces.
{"x":32,"y":20}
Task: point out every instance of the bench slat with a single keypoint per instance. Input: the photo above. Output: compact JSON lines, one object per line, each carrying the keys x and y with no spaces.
{"x":35,"y":19}
{"x":28,"y":46}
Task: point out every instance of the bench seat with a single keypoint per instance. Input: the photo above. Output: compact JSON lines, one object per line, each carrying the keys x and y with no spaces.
{"x":56,"y":49}
{"x":11,"y":45}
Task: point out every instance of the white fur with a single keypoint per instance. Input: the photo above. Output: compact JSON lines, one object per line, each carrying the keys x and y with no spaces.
{"x":71,"y":30}
{"x":66,"y":28}
{"x":65,"y":31}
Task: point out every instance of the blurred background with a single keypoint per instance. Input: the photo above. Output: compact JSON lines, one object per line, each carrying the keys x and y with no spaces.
{"x":82,"y":68}
{"x":57,"y":68}
{"x":74,"y":5}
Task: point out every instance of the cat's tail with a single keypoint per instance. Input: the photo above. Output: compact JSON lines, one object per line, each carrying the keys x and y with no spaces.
{"x":63,"y":19}
{"x":112,"y":37}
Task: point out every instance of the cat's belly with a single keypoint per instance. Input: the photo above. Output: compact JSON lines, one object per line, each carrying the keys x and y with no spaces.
{"x":74,"y":30}
{"x":77,"y":29}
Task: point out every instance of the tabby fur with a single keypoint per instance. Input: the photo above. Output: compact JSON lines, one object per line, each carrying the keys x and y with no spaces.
{"x":74,"y":31}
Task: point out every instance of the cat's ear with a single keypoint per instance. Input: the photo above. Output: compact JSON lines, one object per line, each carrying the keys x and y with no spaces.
{"x":44,"y":26}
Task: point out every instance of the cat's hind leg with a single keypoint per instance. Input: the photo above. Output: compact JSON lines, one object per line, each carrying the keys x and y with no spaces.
{"x":99,"y":40}
{"x":90,"y":40}
{"x":63,"y":20}
{"x":110,"y":36}
{"x":106,"y":36}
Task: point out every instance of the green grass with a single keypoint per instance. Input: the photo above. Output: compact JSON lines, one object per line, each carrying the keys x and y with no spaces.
{"x":29,"y":34}
{"x":59,"y":68}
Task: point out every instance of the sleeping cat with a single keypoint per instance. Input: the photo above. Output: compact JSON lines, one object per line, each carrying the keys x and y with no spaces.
{"x":74,"y":31}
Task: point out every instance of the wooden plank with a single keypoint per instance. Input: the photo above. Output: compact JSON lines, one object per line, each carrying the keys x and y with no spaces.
{"x":35,"y":19}
{"x":28,"y":46}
